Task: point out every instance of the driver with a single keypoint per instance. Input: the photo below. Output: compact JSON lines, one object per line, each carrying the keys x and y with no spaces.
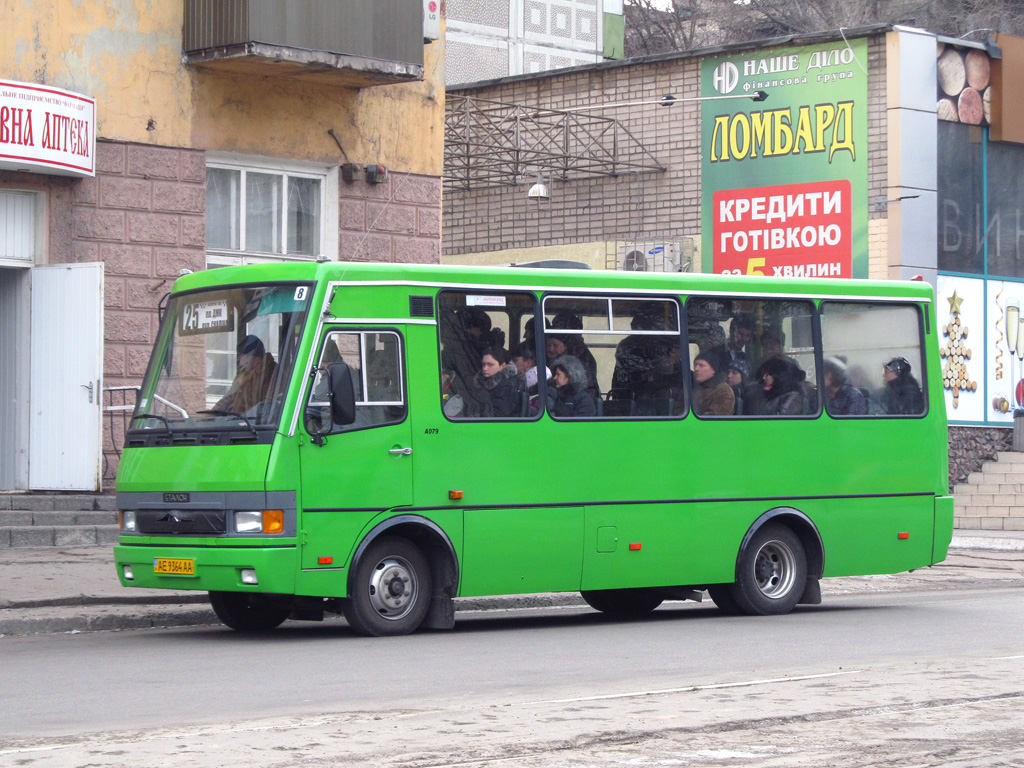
{"x":252,"y":384}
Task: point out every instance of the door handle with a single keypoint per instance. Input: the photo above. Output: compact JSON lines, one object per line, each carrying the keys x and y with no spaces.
{"x":88,"y":387}
{"x":396,"y":451}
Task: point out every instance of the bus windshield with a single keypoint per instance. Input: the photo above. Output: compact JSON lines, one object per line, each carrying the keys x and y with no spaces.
{"x":223,"y":360}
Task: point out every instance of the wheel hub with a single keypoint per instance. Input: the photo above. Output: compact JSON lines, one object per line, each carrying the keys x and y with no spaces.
{"x":393,"y":588}
{"x":774,"y":569}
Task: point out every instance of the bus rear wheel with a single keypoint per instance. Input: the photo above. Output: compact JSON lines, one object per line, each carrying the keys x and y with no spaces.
{"x":391,"y":589}
{"x":771,"y":573}
{"x":246,"y":612}
{"x":622,"y":603}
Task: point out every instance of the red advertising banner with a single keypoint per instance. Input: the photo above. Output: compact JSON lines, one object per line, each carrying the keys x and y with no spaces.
{"x":793,"y":230}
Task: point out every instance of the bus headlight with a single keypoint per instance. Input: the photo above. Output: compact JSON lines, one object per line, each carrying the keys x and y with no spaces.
{"x":128,"y":522}
{"x":259,"y":521}
{"x":250,"y":521}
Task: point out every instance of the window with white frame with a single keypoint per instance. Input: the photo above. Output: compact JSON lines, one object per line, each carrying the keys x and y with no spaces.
{"x":263,"y":209}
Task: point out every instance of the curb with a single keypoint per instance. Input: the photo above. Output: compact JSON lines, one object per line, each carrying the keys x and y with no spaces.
{"x":988,"y":543}
{"x":109,"y":616}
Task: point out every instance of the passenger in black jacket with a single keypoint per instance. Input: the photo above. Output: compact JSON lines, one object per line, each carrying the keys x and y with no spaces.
{"x":569,"y":397}
{"x":498,"y":379}
{"x":902,"y":392}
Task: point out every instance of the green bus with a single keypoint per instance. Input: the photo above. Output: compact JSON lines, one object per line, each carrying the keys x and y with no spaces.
{"x":378,"y":439}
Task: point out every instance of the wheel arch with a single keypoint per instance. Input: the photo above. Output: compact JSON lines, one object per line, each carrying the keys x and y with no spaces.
{"x":425,"y":534}
{"x":802,"y":526}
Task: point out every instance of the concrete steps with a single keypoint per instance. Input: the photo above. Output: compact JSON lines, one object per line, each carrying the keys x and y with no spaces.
{"x":57,"y":520}
{"x":992,"y":499}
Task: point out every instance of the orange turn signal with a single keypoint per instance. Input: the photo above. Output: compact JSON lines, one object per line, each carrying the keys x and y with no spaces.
{"x":324,"y":560}
{"x":904,"y":535}
{"x":454,"y":495}
{"x":635,"y":546}
{"x":273,"y":521}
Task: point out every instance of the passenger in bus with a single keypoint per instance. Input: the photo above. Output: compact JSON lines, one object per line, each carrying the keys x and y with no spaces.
{"x":465,"y":335}
{"x":902,"y":394}
{"x":779,"y":392}
{"x":574,"y":345}
{"x":252,"y":384}
{"x":741,"y":329}
{"x":498,"y":379}
{"x":736,"y":375}
{"x":647,"y":367}
{"x":527,"y":375}
{"x":568,"y":398}
{"x":712,"y":395}
{"x":841,"y":397}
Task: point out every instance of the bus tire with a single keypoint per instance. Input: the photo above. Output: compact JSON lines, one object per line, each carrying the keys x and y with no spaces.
{"x":246,"y":612}
{"x":721,"y":595}
{"x":622,"y":603}
{"x":771,"y":572}
{"x":391,"y":589}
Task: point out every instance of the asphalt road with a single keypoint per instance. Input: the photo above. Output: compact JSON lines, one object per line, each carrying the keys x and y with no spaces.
{"x":921,"y":669}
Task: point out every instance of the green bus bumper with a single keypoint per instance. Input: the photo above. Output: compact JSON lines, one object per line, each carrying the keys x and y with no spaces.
{"x":216,"y":569}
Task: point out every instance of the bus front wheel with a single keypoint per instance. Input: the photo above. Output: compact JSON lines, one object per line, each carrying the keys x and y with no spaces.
{"x":771,"y":572}
{"x":246,"y":612}
{"x":391,"y":589}
{"x":622,"y":603}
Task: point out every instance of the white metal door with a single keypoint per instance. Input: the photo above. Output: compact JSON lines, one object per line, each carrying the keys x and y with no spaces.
{"x":66,"y":371}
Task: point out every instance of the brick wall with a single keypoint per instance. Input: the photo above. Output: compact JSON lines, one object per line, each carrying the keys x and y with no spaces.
{"x":655,"y":205}
{"x":650,"y":205}
{"x":396,"y":221}
{"x":144,"y":216}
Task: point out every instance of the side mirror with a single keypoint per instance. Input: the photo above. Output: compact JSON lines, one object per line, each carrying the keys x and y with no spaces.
{"x":343,"y":393}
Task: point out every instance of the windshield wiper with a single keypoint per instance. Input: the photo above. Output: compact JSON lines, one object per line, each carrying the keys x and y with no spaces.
{"x":242,"y":416}
{"x":166,"y":421}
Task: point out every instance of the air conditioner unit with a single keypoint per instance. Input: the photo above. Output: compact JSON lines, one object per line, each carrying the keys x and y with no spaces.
{"x":649,"y":257}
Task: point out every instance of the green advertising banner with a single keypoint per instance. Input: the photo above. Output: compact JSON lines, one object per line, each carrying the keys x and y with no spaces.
{"x":785,"y":179}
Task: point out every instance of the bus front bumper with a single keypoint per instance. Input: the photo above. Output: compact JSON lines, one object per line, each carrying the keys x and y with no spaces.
{"x":209,"y":569}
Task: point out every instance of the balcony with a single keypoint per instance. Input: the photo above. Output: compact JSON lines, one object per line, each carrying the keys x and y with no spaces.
{"x":354,"y":43}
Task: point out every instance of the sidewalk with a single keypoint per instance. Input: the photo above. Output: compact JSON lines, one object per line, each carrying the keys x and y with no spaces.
{"x":75,"y":589}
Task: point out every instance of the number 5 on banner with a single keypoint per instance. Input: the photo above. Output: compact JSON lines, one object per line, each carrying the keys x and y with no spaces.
{"x":752,"y":266}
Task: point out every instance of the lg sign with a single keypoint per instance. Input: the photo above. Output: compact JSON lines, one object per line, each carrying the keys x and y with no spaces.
{"x":726,"y":77}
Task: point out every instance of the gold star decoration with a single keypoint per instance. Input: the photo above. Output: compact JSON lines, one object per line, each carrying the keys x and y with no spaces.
{"x":954,"y":303}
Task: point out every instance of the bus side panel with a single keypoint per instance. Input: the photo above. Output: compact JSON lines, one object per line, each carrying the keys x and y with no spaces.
{"x":510,"y":551}
{"x":659,"y":545}
{"x":876,"y":535}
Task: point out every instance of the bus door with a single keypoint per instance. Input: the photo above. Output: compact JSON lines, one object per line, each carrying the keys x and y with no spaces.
{"x":357,"y":470}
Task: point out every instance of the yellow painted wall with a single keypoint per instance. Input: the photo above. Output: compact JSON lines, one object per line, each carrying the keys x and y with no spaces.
{"x":127,"y":55}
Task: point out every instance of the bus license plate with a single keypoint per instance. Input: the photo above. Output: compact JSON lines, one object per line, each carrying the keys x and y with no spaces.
{"x":174,"y":566}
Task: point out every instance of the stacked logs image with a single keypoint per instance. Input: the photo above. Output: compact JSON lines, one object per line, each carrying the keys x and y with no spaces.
{"x":964,"y":78}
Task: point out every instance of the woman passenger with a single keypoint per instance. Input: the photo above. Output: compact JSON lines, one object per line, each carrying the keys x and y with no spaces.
{"x":498,"y":379}
{"x":780,"y":393}
{"x":569,"y":397}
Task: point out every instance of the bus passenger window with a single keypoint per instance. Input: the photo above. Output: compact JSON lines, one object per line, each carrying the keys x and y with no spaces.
{"x":873,"y":359}
{"x":763,"y":350}
{"x":479,"y":378}
{"x":618,"y":357}
{"x":375,"y":361}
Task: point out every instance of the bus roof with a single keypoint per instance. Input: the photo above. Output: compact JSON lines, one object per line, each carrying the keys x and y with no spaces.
{"x":437,"y":275}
